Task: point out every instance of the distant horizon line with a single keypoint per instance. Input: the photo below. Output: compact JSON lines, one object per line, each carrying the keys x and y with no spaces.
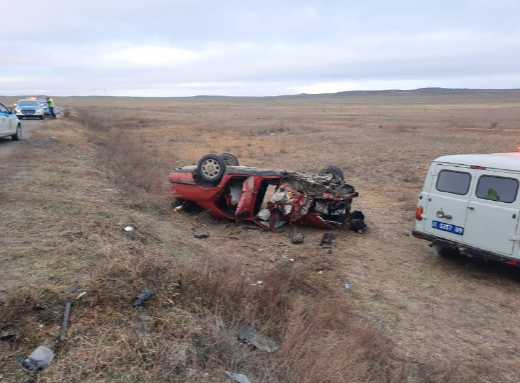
{"x":425,"y":90}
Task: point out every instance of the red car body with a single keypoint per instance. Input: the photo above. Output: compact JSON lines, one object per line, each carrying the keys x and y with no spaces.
{"x":240,"y":195}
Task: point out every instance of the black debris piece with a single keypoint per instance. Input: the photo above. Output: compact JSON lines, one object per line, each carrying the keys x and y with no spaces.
{"x":143,"y":297}
{"x":298,"y":238}
{"x":326,"y":241}
{"x":199,"y":235}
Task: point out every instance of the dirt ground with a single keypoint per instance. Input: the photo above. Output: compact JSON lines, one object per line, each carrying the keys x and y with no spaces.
{"x":460,"y":315}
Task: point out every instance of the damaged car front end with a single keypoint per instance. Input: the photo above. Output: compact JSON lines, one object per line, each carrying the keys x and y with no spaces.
{"x":268,"y":198}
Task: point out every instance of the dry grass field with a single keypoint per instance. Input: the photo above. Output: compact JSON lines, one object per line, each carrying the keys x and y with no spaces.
{"x":410,"y":316}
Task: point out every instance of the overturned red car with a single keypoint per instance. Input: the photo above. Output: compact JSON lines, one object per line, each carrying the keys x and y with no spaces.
{"x":268,"y":198}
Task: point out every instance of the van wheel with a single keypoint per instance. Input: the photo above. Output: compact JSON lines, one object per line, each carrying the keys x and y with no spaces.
{"x":445,"y":251}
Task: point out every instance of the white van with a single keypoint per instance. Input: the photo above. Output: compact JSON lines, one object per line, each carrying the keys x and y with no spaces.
{"x":470,"y":204}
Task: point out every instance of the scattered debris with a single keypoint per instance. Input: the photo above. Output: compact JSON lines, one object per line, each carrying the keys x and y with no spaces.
{"x":347,"y":286}
{"x":298,"y":238}
{"x":291,"y":259}
{"x":357,"y":222}
{"x":129,"y":229}
{"x":65,"y":323}
{"x":38,"y":360}
{"x":143,"y":297}
{"x":326,"y":241}
{"x":199,"y":235}
{"x":6,"y":335}
{"x":240,"y":378}
{"x":257,"y":283}
{"x":81,"y":295}
{"x":320,"y":272}
{"x":74,"y":288}
{"x":249,"y":335}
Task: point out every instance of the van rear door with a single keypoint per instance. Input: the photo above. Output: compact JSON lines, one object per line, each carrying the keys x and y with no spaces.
{"x":447,"y":202}
{"x":493,"y":210}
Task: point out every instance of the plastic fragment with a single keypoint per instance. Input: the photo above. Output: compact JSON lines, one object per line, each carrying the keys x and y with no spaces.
{"x":143,"y":297}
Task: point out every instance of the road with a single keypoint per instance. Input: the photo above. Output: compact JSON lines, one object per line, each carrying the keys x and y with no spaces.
{"x":7,"y":145}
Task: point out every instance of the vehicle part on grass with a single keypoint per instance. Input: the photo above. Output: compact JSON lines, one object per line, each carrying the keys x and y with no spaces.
{"x":332,"y":172}
{"x":38,"y":360}
{"x":326,"y":240}
{"x":74,"y":288}
{"x":81,"y":295}
{"x":6,"y":335}
{"x":65,"y":323}
{"x":298,"y":238}
{"x":268,"y":198}
{"x":347,"y":286}
{"x":199,"y":235}
{"x":143,"y":297}
{"x":230,"y":159}
{"x":240,"y":378}
{"x":257,"y":283}
{"x":211,"y":168}
{"x":128,"y":229}
{"x":248,"y":334}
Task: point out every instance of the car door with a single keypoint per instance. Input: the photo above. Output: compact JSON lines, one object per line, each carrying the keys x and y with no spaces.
{"x":246,"y":204}
{"x":447,"y":203}
{"x":4,"y":120}
{"x":493,"y":211}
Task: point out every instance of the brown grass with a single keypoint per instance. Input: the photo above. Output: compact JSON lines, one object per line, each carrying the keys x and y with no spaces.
{"x":410,"y":316}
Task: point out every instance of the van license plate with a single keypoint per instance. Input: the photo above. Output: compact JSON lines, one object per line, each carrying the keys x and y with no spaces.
{"x":447,"y":227}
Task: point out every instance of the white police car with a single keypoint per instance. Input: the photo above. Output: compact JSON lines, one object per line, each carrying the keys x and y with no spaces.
{"x":29,"y":107}
{"x":9,"y":124}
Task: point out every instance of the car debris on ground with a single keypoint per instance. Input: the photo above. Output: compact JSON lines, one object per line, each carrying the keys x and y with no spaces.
{"x":266,"y":197}
{"x":143,"y":297}
{"x":240,"y":378}
{"x":326,"y":240}
{"x":248,"y":334}
{"x":65,"y":323}
{"x":298,"y":238}
{"x":39,"y":359}
{"x":199,"y":235}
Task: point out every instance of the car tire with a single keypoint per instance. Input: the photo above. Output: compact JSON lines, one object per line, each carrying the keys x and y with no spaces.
{"x":211,"y":168}
{"x":446,"y":252}
{"x":18,"y":135}
{"x":41,"y":117}
{"x":333,"y":172}
{"x":229,"y":159}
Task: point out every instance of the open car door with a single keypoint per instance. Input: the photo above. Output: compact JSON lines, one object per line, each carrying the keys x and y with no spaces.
{"x":246,"y":205}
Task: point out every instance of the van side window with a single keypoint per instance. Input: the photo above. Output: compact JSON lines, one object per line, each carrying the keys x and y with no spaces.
{"x":453,"y":182}
{"x":499,"y":189}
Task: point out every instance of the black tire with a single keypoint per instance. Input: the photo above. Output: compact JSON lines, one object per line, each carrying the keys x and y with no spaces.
{"x":229,"y":159}
{"x":211,"y":168}
{"x":41,"y":117}
{"x":18,"y":135}
{"x":333,"y":172}
{"x":446,"y":252}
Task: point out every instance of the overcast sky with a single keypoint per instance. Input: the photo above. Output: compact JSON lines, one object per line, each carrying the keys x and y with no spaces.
{"x":255,"y":47}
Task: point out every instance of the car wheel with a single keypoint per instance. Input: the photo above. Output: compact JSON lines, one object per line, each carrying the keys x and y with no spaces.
{"x":211,"y":168}
{"x":445,"y":251}
{"x":18,"y":135}
{"x":333,"y":172}
{"x":41,"y":117}
{"x":229,"y":159}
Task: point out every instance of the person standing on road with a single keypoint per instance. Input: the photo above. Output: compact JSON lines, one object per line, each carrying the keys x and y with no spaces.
{"x":50,"y":102}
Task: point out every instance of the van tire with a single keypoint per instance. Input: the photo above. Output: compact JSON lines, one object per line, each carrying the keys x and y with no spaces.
{"x":446,"y":251}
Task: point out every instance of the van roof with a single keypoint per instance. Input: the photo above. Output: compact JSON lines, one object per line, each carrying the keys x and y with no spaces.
{"x":507,"y":161}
